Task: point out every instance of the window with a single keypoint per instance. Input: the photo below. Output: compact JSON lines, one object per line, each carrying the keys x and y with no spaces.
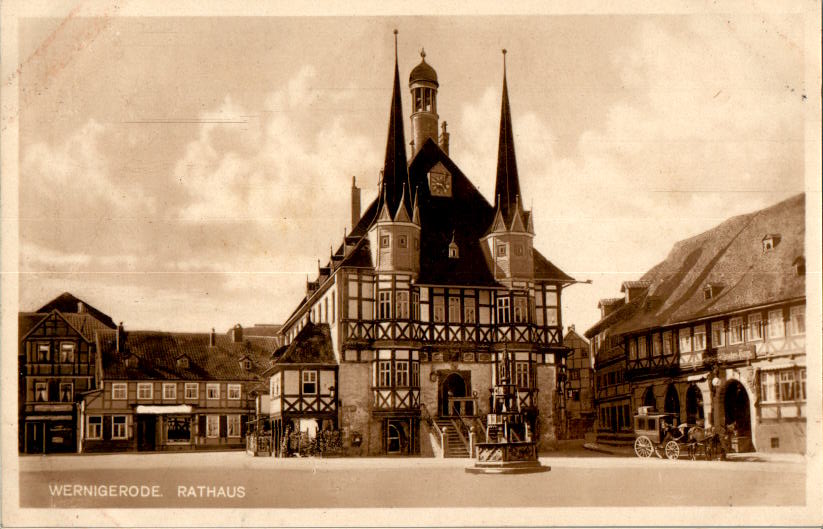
{"x":736,"y":330}
{"x":521,"y":374}
{"x":41,"y":391}
{"x":787,"y":385}
{"x":641,"y":347}
{"x":66,"y":392}
{"x":574,"y":374}
{"x":503,"y":311}
{"x":768,"y":388}
{"x":667,"y":343}
{"x":402,"y":373}
{"x":385,"y":241}
{"x":118,"y":427}
{"x":191,"y":390}
{"x":415,"y":375}
{"x":234,"y":391}
{"x":67,"y":353}
{"x":309,"y":382}
{"x":632,"y":349}
{"x":233,"y":426}
{"x":384,"y":373}
{"x":685,"y":340}
{"x":402,"y":241}
{"x":169,"y":391}
{"x":802,"y":377}
{"x":776,"y":323}
{"x":439,"y":309}
{"x":384,"y":304}
{"x":402,"y":305}
{"x":118,"y":391}
{"x":212,"y":425}
{"x":797,"y":320}
{"x":657,"y":345}
{"x":521,"y":310}
{"x":501,"y":250}
{"x":718,"y":335}
{"x":699,"y":338}
{"x":518,"y":250}
{"x":43,"y":352}
{"x":213,"y":391}
{"x":94,"y":427}
{"x":275,"y":385}
{"x":469,"y":311}
{"x":144,"y":390}
{"x":755,"y":327}
{"x":415,"y":306}
{"x":454,"y":310}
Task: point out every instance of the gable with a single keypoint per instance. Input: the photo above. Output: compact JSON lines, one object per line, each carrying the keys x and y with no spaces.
{"x":53,"y":325}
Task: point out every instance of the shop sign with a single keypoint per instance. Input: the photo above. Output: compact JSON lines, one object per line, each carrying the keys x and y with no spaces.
{"x":736,"y":355}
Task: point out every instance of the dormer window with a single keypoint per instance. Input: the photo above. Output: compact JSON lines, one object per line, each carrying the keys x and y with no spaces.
{"x":770,"y":241}
{"x":183,"y":362}
{"x":131,"y":361}
{"x":711,"y":290}
{"x":245,"y":364}
{"x":799,"y":265}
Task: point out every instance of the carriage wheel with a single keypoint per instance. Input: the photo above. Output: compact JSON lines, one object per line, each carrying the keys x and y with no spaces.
{"x":672,"y":450}
{"x":643,"y":446}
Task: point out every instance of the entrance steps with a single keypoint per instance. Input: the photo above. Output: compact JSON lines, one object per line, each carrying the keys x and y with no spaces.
{"x":455,"y":447}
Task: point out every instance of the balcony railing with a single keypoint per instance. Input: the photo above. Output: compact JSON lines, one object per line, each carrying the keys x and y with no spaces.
{"x":367,"y":331}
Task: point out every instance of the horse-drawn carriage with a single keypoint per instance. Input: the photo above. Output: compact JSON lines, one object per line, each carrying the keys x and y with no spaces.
{"x":657,"y":431}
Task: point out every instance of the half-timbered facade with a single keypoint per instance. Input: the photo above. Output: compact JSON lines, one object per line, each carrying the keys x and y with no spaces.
{"x":716,"y":333}
{"x":173,"y":391}
{"x":577,"y":396}
{"x":429,"y":289}
{"x":57,"y":367}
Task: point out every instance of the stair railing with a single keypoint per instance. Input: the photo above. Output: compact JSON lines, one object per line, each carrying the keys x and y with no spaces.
{"x":432,"y":424}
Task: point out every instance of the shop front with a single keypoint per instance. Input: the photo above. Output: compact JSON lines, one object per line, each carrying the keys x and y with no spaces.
{"x":48,"y":434}
{"x":165,"y":427}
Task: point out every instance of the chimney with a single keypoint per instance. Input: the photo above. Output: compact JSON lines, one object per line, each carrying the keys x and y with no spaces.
{"x":571,"y":327}
{"x":212,"y":338}
{"x":444,"y":138}
{"x":81,"y":307}
{"x":237,"y":333}
{"x":355,"y":203}
{"x":120,"y":337}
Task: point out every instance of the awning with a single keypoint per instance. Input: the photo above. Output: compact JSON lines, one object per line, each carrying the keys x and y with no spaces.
{"x":162,"y":410}
{"x":49,"y":418}
{"x":775,"y":367}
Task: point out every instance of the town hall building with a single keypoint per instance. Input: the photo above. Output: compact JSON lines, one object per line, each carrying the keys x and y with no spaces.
{"x":432,"y":299}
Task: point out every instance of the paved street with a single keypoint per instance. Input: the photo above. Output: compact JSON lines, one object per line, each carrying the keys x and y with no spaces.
{"x":233,"y":479}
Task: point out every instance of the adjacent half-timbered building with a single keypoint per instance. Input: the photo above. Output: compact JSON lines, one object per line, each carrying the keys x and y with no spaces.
{"x":57,"y":367}
{"x":173,"y":391}
{"x":715,"y":334}
{"x":577,"y":396}
{"x":429,"y":289}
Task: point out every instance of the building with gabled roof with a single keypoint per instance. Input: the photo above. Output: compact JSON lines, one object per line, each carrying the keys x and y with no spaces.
{"x":428,"y":290}
{"x":173,"y":391}
{"x":716,"y":332}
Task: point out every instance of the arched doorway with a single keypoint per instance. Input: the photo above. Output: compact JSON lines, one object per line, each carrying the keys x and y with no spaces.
{"x":394,"y":439}
{"x":452,"y":386}
{"x":694,"y":404}
{"x":649,"y":399}
{"x":672,"y":403}
{"x":736,"y":406}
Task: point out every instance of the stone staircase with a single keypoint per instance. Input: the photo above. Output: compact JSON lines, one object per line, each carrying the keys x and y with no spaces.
{"x":455,"y":446}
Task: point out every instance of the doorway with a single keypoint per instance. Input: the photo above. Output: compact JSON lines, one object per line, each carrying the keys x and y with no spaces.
{"x":393,"y":439}
{"x":146,"y":432}
{"x":694,"y":405}
{"x":649,"y":399}
{"x":35,"y":438}
{"x":672,"y":403}
{"x":452,"y":386}
{"x":736,"y":406}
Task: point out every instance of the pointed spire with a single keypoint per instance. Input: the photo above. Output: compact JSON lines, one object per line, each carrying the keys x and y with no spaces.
{"x":507,"y":185}
{"x":517,"y":217}
{"x":395,"y":170}
{"x":385,"y":214}
{"x":416,"y":208}
{"x":498,"y":224}
{"x":402,"y":214}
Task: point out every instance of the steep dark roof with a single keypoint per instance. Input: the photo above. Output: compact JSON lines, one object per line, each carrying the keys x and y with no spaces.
{"x":507,"y":184}
{"x":157,"y":354}
{"x":270,"y":330}
{"x":84,"y":323}
{"x":312,"y":345}
{"x":395,"y":171}
{"x":67,"y":303}
{"x":731,"y":255}
{"x":572,"y":334}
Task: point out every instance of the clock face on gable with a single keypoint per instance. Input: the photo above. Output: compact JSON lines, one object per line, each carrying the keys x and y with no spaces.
{"x":440,"y":181}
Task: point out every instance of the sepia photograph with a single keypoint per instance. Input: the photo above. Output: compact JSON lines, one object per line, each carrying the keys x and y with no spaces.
{"x":411,"y":266}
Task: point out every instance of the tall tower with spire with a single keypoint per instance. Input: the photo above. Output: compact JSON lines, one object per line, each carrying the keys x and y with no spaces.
{"x":509,"y":238}
{"x":394,"y":236}
{"x":423,"y":85}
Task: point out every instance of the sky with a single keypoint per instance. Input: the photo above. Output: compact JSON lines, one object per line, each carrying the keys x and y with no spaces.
{"x":188,"y":173}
